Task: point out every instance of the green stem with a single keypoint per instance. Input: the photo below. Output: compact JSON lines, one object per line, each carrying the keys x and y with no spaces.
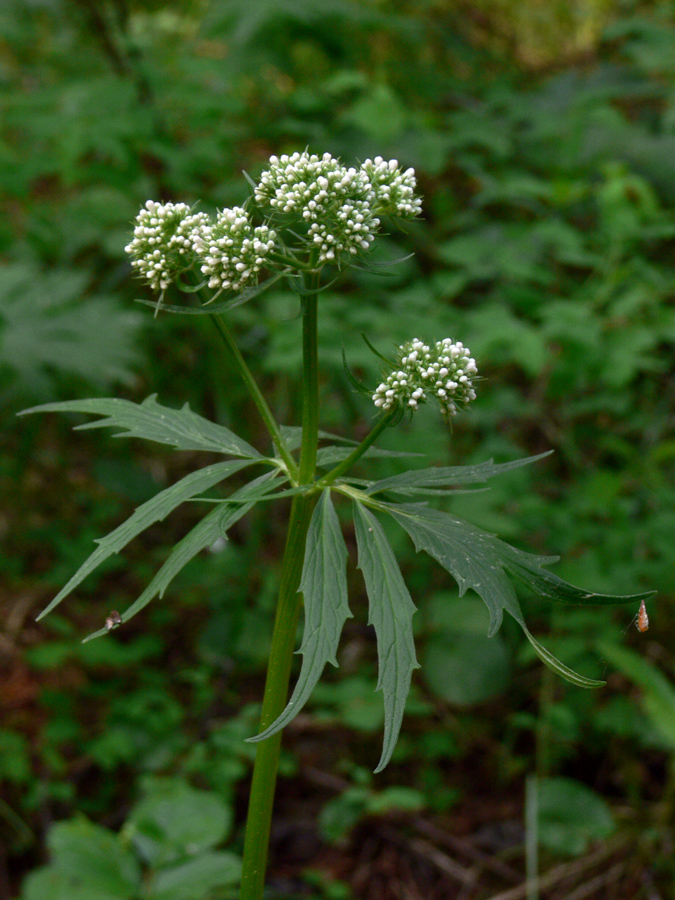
{"x":258,"y":823}
{"x":358,"y":452}
{"x":263,"y":784}
{"x":310,"y":389}
{"x":258,"y":399}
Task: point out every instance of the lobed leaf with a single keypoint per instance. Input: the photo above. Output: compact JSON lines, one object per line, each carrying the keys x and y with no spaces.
{"x":324,"y":587}
{"x":480,"y":561}
{"x":154,"y":510}
{"x":181,"y":428}
{"x":204,"y":534}
{"x":471,"y":556}
{"x":390,"y":612}
{"x":442,"y":476}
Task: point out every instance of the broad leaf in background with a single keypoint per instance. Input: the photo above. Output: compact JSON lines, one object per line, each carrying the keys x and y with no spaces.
{"x":459,"y":662}
{"x":324,"y":587}
{"x":658,"y":692}
{"x":390,"y":612}
{"x":46,"y":329}
{"x":88,"y":862}
{"x":206,"y":876}
{"x":571,"y":816}
{"x":205,"y":533}
{"x":147,"y":514}
{"x":175,"y":820}
{"x":181,"y":428}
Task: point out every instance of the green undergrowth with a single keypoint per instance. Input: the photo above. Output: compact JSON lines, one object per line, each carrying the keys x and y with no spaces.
{"x":548,"y":246}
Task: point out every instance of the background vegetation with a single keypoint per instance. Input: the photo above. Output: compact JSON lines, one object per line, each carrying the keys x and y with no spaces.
{"x":543,"y":135}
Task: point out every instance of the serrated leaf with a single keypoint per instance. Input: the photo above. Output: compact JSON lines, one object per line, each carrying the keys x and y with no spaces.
{"x":442,"y":476}
{"x":181,"y":428}
{"x":470,"y":555}
{"x":560,"y":668}
{"x":203,"y":535}
{"x":390,"y":612}
{"x":479,"y":560}
{"x":527,"y":569}
{"x":147,"y":514}
{"x":324,"y":587}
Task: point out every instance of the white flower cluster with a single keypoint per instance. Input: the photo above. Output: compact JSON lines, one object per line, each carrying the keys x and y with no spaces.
{"x":333,"y":210}
{"x":163,"y":242}
{"x":231,"y":250}
{"x":445,"y":372}
{"x":338,"y":204}
{"x":394,"y":190}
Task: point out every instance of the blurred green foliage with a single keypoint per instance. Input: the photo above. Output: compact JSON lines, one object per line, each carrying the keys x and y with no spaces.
{"x":545,"y":148}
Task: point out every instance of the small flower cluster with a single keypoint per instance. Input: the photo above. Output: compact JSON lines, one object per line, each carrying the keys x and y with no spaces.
{"x":163,"y":242}
{"x":334,"y":201}
{"x":445,"y":372}
{"x":394,"y":190}
{"x":231,"y":250}
{"x":339,"y":204}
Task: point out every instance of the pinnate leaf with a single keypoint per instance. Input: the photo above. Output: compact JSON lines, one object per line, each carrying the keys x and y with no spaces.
{"x":324,"y":587}
{"x":390,"y":612}
{"x":480,"y":561}
{"x":444,"y":476}
{"x":472,"y":556}
{"x":204,"y":534}
{"x":154,"y":510}
{"x":180,"y":428}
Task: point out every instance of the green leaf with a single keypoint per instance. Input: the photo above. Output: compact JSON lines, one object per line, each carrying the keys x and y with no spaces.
{"x":571,"y":816}
{"x":479,"y":560}
{"x":181,"y":428}
{"x":153,"y":511}
{"x":560,"y":668}
{"x":328,"y":456}
{"x":46,"y":330}
{"x":199,"y":877}
{"x":203,"y":535}
{"x":658,"y":692}
{"x":473,"y":557}
{"x":390,"y":612}
{"x":442,"y":476}
{"x":324,"y":586}
{"x":174,"y":820}
{"x":89,"y":859}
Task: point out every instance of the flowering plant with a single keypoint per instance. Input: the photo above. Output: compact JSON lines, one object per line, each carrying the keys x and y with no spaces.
{"x":309,"y":215}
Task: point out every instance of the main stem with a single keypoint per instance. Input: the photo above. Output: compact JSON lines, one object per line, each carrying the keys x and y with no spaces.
{"x":258,"y":823}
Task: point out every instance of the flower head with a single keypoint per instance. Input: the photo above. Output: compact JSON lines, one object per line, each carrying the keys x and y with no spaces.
{"x":445,"y":371}
{"x":163,"y":242}
{"x":339,"y":205}
{"x":394,"y":190}
{"x":231,"y":250}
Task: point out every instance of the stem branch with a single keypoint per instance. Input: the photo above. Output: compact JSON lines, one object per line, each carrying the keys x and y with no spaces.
{"x":258,"y":399}
{"x":358,"y":452}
